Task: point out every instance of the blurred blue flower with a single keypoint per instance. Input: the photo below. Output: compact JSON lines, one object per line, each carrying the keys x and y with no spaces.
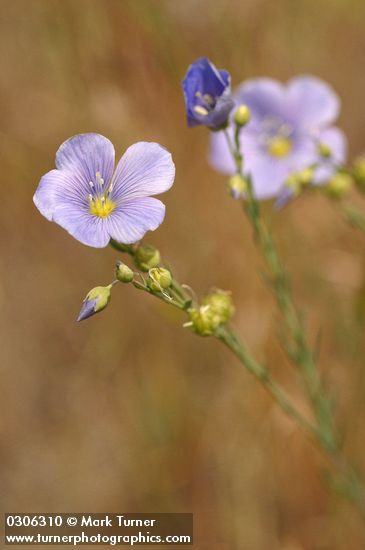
{"x":207,"y":95}
{"x":92,"y":203}
{"x":288,"y":125}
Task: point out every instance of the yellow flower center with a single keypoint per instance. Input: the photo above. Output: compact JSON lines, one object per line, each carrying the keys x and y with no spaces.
{"x":279,"y":146}
{"x":101,"y":206}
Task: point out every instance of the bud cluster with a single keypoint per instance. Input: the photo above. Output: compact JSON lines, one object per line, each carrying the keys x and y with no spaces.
{"x":215,"y":310}
{"x":147,"y":258}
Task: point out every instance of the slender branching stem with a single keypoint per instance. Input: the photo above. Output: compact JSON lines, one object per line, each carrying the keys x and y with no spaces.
{"x":226,"y":335}
{"x":321,"y":432}
{"x":300,"y":351}
{"x":230,"y":339}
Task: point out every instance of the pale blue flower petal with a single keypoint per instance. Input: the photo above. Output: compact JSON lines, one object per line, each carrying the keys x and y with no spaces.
{"x":219,"y":154}
{"x":312,"y":102}
{"x":60,"y":198}
{"x":86,"y":155}
{"x":265,"y":97}
{"x":58,"y":186}
{"x":83,"y":226}
{"x":134,"y":217}
{"x":268,"y":175}
{"x":45,"y":196}
{"x":145,"y":169}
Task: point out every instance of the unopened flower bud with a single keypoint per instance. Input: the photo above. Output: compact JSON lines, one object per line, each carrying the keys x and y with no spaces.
{"x":203,"y":320}
{"x":159,"y":279}
{"x":237,"y":186}
{"x":221,"y":303}
{"x":147,"y":257}
{"x":324,"y":151}
{"x":292,"y":183}
{"x":242,"y":115}
{"x":123,"y":273}
{"x":96,"y":300}
{"x":306,"y":176}
{"x":297,"y":181}
{"x":359,"y":172}
{"x":339,"y":185}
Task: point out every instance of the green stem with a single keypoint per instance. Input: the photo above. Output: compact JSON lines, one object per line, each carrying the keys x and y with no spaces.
{"x":301,"y":352}
{"x":182,"y":299}
{"x":349,"y":485}
{"x":227,"y":336}
{"x":159,"y":295}
{"x":229,"y":143}
{"x":353,"y":215}
{"x":230,"y":340}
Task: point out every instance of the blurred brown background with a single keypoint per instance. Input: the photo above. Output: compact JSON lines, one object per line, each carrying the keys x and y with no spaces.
{"x":128,"y":412}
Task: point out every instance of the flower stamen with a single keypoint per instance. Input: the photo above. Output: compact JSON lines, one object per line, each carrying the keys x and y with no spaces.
{"x":101,"y":204}
{"x":200,"y":110}
{"x":205,"y":105}
{"x":99,"y":180}
{"x":209,"y":99}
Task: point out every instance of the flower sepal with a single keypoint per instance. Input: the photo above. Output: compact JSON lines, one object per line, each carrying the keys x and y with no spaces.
{"x":159,"y":279}
{"x":147,"y":257}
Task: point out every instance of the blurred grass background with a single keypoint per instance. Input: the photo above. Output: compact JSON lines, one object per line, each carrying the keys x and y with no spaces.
{"x":129,"y":412}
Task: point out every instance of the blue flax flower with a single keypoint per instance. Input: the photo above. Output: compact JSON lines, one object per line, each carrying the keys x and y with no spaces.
{"x":207,"y":95}
{"x":288,"y":127}
{"x":94,"y":203}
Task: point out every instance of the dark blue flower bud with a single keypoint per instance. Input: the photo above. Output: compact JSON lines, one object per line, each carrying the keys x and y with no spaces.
{"x":207,"y":95}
